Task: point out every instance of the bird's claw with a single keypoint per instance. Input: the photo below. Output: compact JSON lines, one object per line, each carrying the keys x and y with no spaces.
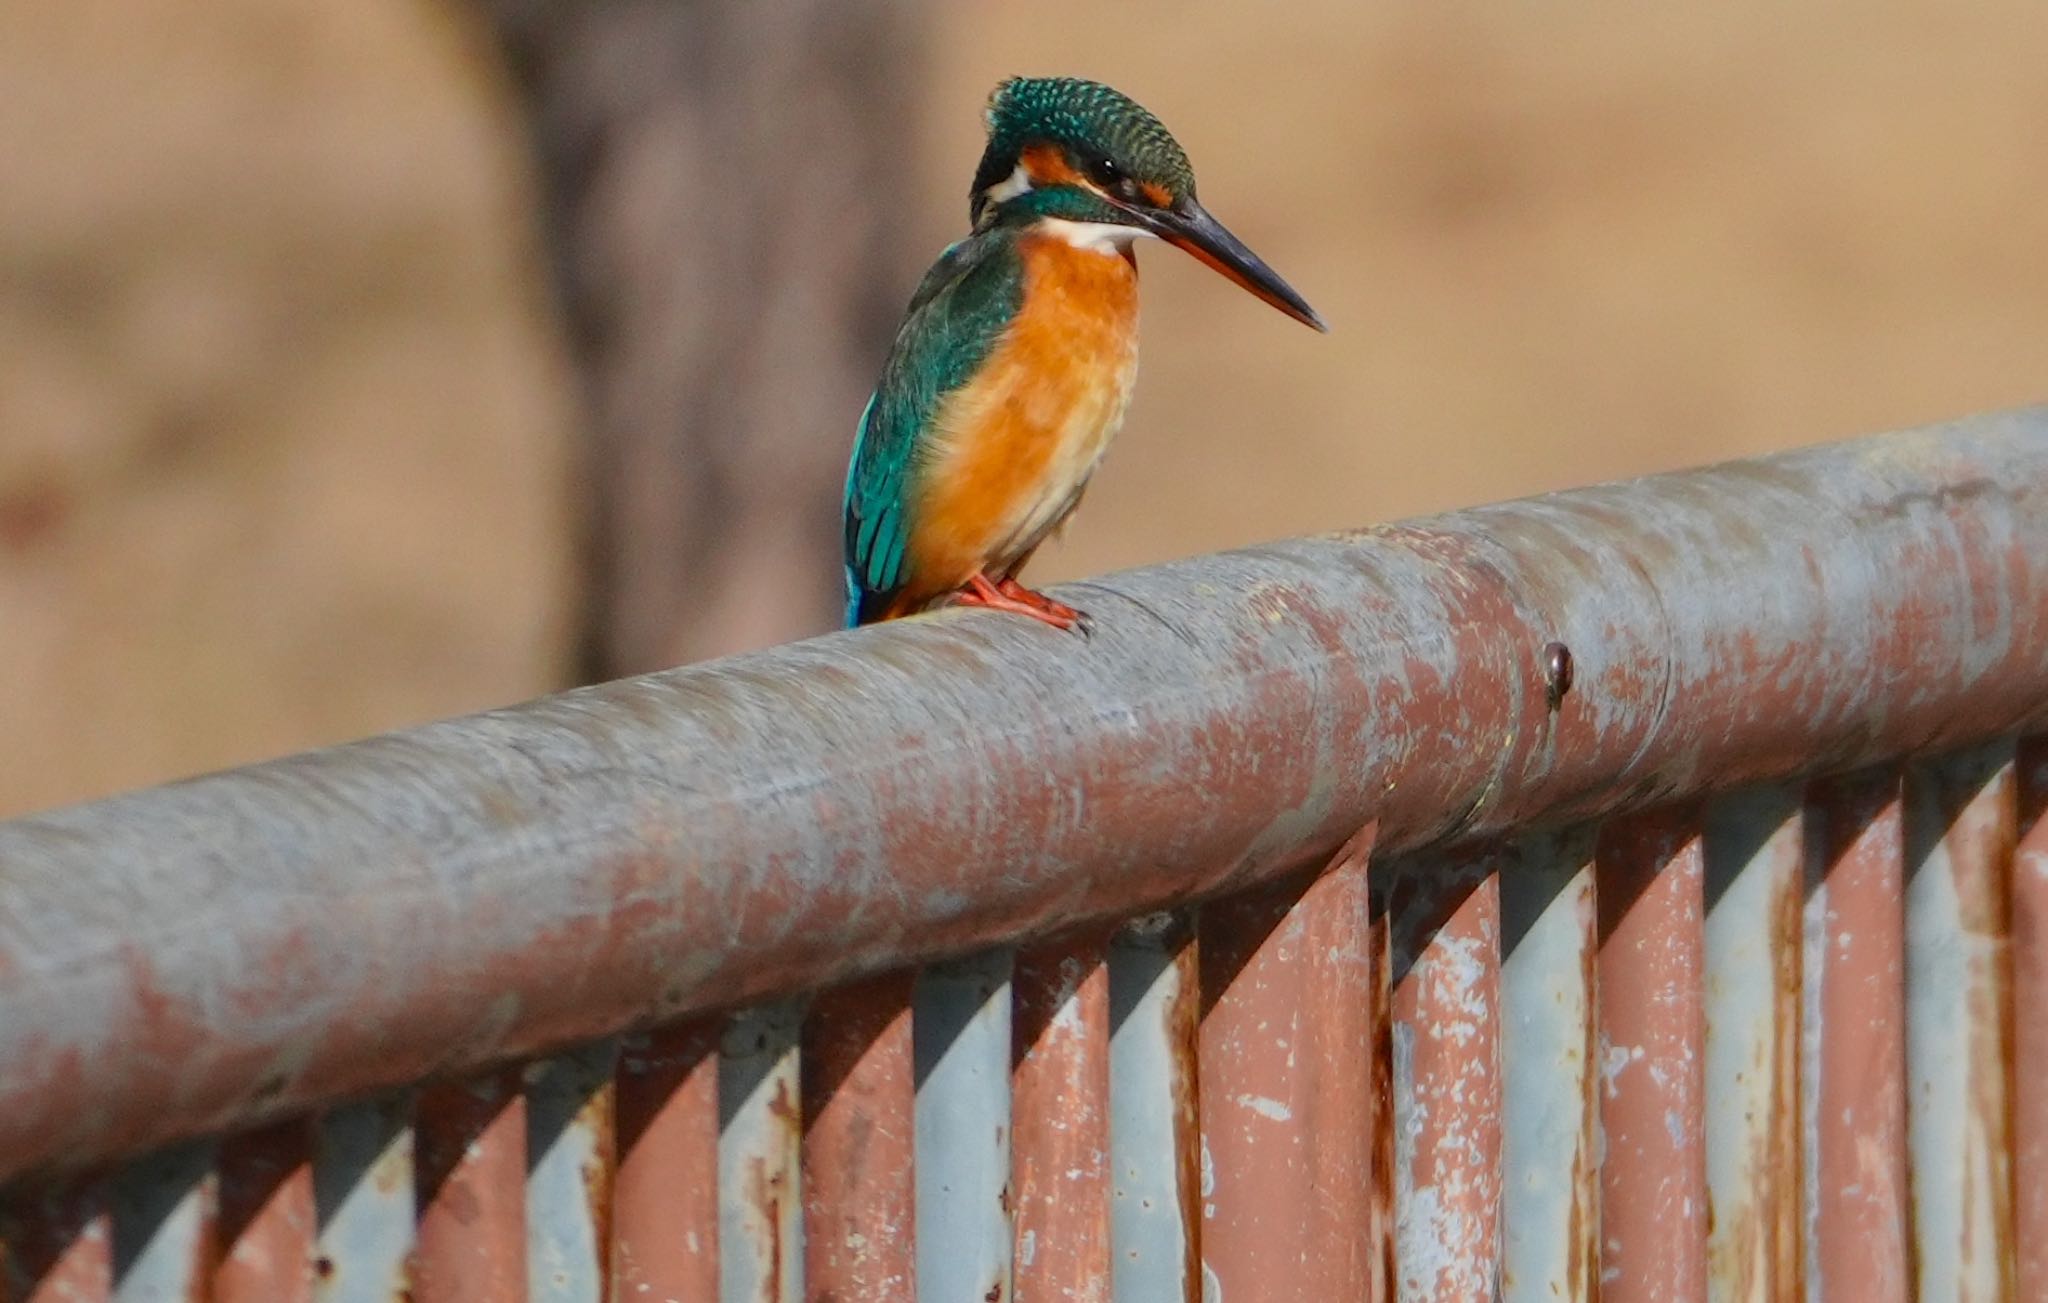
{"x":1009,"y":595}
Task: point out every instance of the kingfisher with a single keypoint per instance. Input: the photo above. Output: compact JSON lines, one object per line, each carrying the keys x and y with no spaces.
{"x":1014,"y":363}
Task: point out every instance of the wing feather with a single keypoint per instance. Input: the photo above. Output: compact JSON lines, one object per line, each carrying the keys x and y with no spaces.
{"x":955,"y":320}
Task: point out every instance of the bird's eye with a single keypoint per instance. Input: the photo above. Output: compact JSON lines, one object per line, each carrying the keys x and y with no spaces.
{"x":1112,"y":180}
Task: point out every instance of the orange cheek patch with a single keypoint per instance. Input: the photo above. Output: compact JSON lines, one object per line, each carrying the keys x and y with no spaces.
{"x":1047,"y":165}
{"x":1155,"y":195}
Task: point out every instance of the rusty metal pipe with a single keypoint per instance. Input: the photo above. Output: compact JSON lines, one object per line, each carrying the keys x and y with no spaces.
{"x":1285,"y":1052}
{"x":255,"y":943}
{"x":1652,"y":998}
{"x":1853,"y":1044}
{"x":469,"y":1155}
{"x":1059,"y":1121}
{"x":664,"y":1202}
{"x":859,"y":1084}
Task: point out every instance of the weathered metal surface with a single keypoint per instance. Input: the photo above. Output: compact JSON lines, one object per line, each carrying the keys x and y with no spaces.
{"x":1157,"y":1181}
{"x":1059,"y":1121}
{"x":56,"y":1246}
{"x":1445,"y":923}
{"x":570,"y":1156}
{"x":1853,"y":1044}
{"x":760,"y":1157}
{"x":363,"y":1195}
{"x":162,"y":1211}
{"x":962,"y":1050}
{"x":1653,"y":1173}
{"x":2030,"y":1024}
{"x":267,"y":1217}
{"x":1755,"y":847}
{"x":469,"y":1152}
{"x":1285,"y":1049}
{"x":859,"y":1178}
{"x":1960,"y":829}
{"x":665,"y":1195}
{"x":211,"y":953}
{"x":1549,"y":1049}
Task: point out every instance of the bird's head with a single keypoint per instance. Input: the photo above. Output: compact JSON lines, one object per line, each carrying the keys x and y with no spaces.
{"x":1063,"y":150}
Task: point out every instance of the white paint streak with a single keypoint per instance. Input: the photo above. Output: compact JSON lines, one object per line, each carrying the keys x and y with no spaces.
{"x":1265,"y":1108}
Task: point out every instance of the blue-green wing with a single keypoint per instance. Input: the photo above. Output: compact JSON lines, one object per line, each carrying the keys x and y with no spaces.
{"x":955,"y":319}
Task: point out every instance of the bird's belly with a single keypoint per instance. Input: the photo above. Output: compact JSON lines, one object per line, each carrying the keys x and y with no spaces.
{"x":1011,"y":478}
{"x":1021,"y":441}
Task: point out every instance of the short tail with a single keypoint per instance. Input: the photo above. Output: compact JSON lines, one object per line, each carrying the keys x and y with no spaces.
{"x":864,"y":606}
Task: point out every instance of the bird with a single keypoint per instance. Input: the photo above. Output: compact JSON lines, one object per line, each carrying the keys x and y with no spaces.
{"x":1014,"y":362}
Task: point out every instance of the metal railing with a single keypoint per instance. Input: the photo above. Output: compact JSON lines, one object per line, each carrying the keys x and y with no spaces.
{"x":1630,"y":893}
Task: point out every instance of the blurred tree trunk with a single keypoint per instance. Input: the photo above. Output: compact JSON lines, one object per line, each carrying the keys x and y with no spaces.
{"x":718,"y":182}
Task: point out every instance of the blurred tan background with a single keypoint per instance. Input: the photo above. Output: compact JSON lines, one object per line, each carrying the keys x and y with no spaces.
{"x":361,"y":364}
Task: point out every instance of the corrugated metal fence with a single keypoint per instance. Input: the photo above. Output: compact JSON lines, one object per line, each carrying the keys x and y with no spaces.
{"x":1636,"y":892}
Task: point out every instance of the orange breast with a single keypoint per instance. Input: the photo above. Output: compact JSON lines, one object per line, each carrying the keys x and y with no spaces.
{"x":1016,"y":447}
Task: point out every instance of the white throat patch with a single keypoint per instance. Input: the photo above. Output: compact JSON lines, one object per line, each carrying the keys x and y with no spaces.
{"x":1099,"y":237}
{"x":1017,"y":183}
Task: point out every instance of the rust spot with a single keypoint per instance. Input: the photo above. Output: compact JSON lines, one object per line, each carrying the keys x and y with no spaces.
{"x":600,"y":1115}
{"x":1785,"y":1266}
{"x":323,"y":1267}
{"x":782,"y":1107}
{"x":768,"y":1204}
{"x":1582,"y":1266}
{"x":1578,"y":1267}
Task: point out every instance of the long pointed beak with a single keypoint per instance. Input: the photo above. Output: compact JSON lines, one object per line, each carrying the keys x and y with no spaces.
{"x":1190,"y":227}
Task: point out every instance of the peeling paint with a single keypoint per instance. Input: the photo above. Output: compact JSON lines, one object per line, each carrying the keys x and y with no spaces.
{"x":1447,"y":1088}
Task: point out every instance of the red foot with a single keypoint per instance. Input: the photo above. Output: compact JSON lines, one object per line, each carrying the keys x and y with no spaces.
{"x":1011,"y":596}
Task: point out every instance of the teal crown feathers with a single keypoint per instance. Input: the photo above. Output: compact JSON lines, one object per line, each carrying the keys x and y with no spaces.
{"x":1092,"y":122}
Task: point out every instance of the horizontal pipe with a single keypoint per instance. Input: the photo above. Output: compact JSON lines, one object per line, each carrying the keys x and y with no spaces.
{"x":230,"y":949}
